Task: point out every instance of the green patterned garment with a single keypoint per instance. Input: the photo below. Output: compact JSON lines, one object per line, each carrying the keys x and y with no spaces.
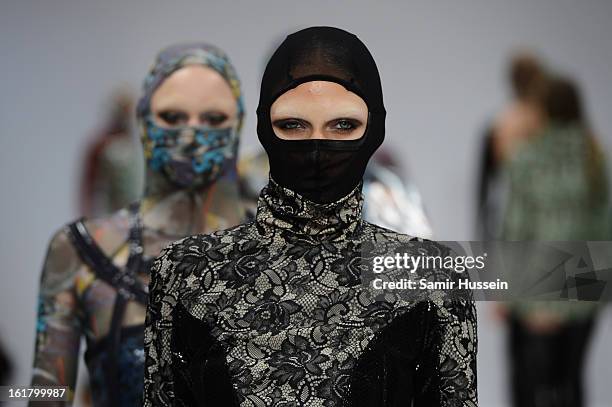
{"x":558,"y":191}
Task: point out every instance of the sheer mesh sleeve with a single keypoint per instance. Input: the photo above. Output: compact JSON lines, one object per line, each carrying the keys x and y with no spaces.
{"x":163,"y":296}
{"x":59,"y":320}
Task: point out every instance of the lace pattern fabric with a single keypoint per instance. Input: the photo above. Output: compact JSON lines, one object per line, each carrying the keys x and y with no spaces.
{"x":283,"y":318}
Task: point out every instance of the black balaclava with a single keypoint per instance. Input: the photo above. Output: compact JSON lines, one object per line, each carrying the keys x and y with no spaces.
{"x":322,"y":171}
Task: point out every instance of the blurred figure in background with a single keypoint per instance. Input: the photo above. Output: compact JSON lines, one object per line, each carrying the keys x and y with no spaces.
{"x":558,"y":191}
{"x":389,"y":201}
{"x":6,"y":366}
{"x":94,"y":282}
{"x":515,"y":124}
{"x":112,"y":177}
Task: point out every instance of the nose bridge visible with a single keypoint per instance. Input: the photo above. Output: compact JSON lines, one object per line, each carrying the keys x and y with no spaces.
{"x":194,"y":120}
{"x":187,"y":136}
{"x":318,"y":131}
{"x":317,"y":134}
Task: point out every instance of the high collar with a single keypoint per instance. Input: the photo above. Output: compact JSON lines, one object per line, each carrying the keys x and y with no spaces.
{"x":280,"y":208}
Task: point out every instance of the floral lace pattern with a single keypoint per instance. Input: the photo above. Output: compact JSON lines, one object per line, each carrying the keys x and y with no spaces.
{"x":282,"y":297}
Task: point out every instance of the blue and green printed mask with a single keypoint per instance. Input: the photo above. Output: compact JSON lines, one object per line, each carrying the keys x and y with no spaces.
{"x":190,"y":157}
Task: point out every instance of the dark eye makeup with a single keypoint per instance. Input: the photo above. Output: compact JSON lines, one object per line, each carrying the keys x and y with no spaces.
{"x":345,"y":125}
{"x":180,"y":118}
{"x":173,"y":117}
{"x":290,"y":125}
{"x":213,"y":118}
{"x":341,"y":125}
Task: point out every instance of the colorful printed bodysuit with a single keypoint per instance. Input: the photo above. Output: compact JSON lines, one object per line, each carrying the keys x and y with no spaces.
{"x":69,"y":306}
{"x":191,"y":183}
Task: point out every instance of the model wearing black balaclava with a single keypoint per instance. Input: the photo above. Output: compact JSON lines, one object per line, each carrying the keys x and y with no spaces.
{"x":322,"y":171}
{"x":280,"y":310}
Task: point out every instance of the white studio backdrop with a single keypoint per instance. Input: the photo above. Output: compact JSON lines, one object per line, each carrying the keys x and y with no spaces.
{"x":443,"y":70}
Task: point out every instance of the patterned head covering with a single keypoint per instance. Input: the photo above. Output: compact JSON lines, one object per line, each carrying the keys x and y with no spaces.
{"x":178,"y":56}
{"x":221,"y":160}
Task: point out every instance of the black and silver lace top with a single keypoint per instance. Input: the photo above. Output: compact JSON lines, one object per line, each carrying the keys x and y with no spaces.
{"x":275,"y":313}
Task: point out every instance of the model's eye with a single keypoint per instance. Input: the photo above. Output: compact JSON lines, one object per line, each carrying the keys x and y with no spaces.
{"x":213,"y":119}
{"x":290,"y":125}
{"x":173,"y":117}
{"x":345,"y":125}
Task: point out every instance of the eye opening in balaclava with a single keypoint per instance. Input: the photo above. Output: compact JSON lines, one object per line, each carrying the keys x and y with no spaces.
{"x":212,"y":152}
{"x":339,"y":144}
{"x":322,"y":171}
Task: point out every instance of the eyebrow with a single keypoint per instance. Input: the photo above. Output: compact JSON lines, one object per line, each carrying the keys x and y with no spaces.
{"x":213,"y":110}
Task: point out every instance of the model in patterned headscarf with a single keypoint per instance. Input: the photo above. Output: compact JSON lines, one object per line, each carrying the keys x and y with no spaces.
{"x":94,"y":283}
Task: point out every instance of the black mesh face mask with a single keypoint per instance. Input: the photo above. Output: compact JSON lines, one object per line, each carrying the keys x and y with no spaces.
{"x":322,"y":171}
